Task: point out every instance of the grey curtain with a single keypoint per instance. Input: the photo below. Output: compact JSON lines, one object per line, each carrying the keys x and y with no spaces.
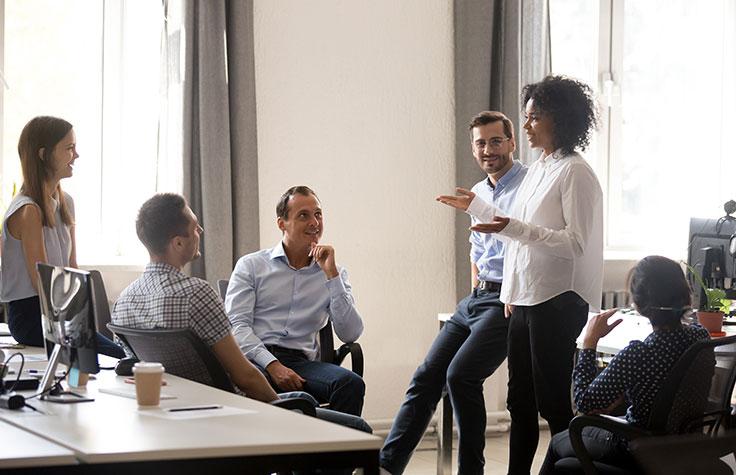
{"x":220,"y":149}
{"x":500,"y":46}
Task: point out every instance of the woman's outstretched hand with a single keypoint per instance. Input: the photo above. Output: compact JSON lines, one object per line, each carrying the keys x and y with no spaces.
{"x":458,"y":202}
{"x":499,"y":224}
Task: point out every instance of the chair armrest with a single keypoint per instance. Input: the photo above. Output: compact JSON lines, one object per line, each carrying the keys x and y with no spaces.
{"x":612,"y":424}
{"x":296,"y":404}
{"x":709,"y":423}
{"x":356,"y":356}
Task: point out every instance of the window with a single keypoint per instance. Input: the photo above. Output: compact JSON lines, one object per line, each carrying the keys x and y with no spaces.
{"x":665,"y":72}
{"x":97,"y":65}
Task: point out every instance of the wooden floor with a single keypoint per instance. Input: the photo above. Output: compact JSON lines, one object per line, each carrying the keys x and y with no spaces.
{"x":424,"y":461}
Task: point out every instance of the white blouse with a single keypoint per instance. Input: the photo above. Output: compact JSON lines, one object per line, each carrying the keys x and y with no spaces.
{"x":555,"y":233}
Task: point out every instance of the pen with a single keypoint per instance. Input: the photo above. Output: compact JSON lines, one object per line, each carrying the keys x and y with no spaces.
{"x":199,"y":408}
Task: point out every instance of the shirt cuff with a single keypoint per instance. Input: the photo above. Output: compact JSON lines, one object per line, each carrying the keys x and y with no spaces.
{"x":515,"y":228}
{"x":336,"y":286}
{"x":264,"y":358}
{"x":478,"y":208}
{"x":586,"y":356}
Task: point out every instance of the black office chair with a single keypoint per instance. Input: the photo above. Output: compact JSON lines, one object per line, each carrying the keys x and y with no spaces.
{"x":694,"y":398}
{"x":185,"y":355}
{"x":687,"y":454}
{"x":328,"y":353}
{"x":102,"y":305}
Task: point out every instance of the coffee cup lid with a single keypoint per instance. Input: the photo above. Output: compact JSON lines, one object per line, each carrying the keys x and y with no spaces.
{"x":148,"y":367}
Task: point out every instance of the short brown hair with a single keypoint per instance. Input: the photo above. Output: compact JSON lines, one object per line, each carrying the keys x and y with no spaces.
{"x":160,"y":220}
{"x":488,"y":117}
{"x":282,"y":207}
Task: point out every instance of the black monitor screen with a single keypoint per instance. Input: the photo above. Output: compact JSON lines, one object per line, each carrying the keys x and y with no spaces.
{"x":708,"y":253}
{"x":68,"y":318}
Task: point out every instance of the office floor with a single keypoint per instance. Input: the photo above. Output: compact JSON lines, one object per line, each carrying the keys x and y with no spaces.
{"x":424,"y":461}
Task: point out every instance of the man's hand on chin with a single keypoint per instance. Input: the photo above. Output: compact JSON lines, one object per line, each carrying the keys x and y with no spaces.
{"x":325,"y":258}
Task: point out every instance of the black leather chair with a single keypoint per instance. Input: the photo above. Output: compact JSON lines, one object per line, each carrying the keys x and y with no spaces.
{"x":328,"y":353}
{"x":185,"y":355}
{"x":687,"y":454}
{"x":694,"y":398}
{"x":102,"y":305}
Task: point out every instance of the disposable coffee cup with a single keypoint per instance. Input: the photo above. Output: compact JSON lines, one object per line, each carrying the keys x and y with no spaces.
{"x":148,"y":378}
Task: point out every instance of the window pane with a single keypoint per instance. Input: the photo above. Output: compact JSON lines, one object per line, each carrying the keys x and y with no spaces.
{"x":53,"y":65}
{"x":96,"y":64}
{"x":672,"y":106}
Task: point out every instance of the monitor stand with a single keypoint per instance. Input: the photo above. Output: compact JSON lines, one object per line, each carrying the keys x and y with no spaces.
{"x":48,"y":382}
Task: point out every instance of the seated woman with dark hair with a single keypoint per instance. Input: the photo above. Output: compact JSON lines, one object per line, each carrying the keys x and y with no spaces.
{"x":39,"y":226}
{"x":661,"y":293}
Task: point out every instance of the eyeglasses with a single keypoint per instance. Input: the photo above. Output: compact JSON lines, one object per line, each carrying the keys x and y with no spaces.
{"x":495,"y":143}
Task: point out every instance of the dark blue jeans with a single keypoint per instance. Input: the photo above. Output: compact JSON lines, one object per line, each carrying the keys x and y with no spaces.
{"x":24,"y":322}
{"x":327,"y":382}
{"x":340,"y":418}
{"x":468,"y":349}
{"x":541,"y":352}
{"x":603,"y":446}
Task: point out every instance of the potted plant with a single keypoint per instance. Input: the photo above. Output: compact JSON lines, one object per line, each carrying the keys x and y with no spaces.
{"x":714,"y":308}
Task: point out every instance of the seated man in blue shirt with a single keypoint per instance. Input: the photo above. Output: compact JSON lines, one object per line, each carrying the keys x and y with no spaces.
{"x":164,"y":297}
{"x":278,"y":300}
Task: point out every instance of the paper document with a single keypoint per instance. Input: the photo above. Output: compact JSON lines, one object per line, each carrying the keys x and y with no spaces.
{"x":129,"y":392}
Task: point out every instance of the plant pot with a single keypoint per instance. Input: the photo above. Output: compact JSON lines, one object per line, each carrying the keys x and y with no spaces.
{"x":712,"y":321}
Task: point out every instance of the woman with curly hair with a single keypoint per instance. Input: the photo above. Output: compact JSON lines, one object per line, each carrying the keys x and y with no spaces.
{"x":660,"y":293}
{"x":553,"y":267}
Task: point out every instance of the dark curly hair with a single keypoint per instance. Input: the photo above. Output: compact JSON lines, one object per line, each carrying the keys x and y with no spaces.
{"x":659,"y":290}
{"x":572,"y":106}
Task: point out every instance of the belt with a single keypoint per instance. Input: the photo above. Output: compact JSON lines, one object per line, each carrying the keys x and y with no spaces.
{"x":487,"y":285}
{"x":273,"y":349}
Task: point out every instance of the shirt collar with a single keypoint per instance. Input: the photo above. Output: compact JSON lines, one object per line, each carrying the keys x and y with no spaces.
{"x":508,"y":176}
{"x":279,"y":251}
{"x":556,"y":155}
{"x":161,"y":268}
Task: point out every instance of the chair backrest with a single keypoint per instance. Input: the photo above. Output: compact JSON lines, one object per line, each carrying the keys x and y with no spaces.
{"x":686,"y":454}
{"x":102,"y":305}
{"x":694,"y":386}
{"x":222,"y":287}
{"x":181,"y":352}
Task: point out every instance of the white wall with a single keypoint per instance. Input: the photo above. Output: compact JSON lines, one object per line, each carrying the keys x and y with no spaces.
{"x":355,"y":99}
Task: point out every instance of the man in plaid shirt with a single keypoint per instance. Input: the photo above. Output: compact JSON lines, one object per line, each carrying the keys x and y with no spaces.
{"x":164,"y":297}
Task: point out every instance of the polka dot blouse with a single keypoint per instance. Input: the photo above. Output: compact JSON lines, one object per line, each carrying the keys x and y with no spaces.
{"x":636,"y":371}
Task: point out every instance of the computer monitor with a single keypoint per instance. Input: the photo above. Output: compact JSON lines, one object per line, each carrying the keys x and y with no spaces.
{"x":709,"y":254}
{"x":68,"y":321}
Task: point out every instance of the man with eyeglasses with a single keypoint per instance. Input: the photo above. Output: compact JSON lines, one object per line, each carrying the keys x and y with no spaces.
{"x":472,"y":344}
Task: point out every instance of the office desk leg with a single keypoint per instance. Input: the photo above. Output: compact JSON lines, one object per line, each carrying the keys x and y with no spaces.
{"x":444,"y":437}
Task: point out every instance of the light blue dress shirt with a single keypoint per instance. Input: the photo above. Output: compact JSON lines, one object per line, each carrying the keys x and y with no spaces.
{"x":486,"y":251}
{"x":269,"y":302}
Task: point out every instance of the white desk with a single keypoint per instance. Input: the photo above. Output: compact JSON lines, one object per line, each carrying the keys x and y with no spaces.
{"x":633,"y":327}
{"x":113,"y":433}
{"x":20,"y":448}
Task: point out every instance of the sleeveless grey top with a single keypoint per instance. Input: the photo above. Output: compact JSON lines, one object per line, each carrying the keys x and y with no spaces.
{"x":15,"y":282}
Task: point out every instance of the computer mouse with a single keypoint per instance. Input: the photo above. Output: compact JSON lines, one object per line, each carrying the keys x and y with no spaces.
{"x":125,"y":366}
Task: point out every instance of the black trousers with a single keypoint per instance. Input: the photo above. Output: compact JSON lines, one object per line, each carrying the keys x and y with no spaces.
{"x":541,"y":349}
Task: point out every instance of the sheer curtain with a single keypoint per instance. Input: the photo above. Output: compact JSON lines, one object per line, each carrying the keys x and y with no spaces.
{"x":500,"y":46}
